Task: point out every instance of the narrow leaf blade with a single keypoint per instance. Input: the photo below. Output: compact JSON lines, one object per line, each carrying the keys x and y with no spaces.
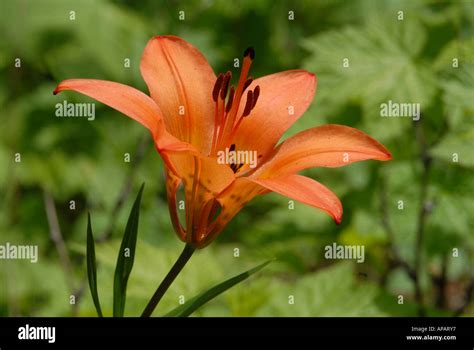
{"x":193,"y":304}
{"x":92,"y":267}
{"x":126,"y":257}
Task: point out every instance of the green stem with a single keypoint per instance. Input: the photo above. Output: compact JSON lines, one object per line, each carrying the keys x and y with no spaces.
{"x":170,"y":277}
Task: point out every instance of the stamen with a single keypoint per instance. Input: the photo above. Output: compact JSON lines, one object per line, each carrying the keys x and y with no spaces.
{"x":256,"y":93}
{"x":247,"y":83}
{"x":225,"y":84}
{"x":248,"y":104}
{"x":233,"y":166}
{"x":249,"y":52}
{"x":236,"y":167}
{"x":230,"y":100}
{"x":217,"y":87}
{"x":227,"y":120}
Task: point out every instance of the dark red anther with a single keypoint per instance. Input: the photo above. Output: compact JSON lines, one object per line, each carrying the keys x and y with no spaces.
{"x":225,"y":84}
{"x":249,"y":52}
{"x":217,"y":87}
{"x":256,"y":93}
{"x":248,"y":104}
{"x":230,"y":100}
{"x":247,"y":83}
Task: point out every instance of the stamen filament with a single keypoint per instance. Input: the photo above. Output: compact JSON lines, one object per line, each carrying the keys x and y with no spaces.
{"x":226,"y":119}
{"x":249,"y":54}
{"x":255,"y":95}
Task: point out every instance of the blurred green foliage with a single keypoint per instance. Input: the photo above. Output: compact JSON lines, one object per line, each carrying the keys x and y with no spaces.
{"x":409,"y":60}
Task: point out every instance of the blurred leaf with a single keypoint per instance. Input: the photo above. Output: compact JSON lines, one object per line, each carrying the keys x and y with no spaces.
{"x":126,"y":257}
{"x":333,"y":292}
{"x":452,"y":214}
{"x":245,"y":299}
{"x":106,"y":33}
{"x":458,"y":97}
{"x":365,"y":232}
{"x":363,"y":10}
{"x":461,"y":50}
{"x":30,"y":295}
{"x":383,"y":64}
{"x":92,"y":267}
{"x":457,"y":148}
{"x":190,"y":306}
{"x":402,"y":203}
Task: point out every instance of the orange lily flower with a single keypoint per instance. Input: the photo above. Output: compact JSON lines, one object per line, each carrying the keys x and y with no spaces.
{"x":195,"y":118}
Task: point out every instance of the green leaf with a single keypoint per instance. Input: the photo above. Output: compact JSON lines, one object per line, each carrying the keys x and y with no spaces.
{"x":457,"y":97}
{"x":335,"y":291}
{"x":462,"y":49}
{"x":369,"y":65}
{"x":126,"y":257}
{"x":193,"y":304}
{"x":91,"y":267}
{"x":456,"y":148}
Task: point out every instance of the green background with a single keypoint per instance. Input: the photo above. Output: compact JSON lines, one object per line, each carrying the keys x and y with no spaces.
{"x":64,"y":159}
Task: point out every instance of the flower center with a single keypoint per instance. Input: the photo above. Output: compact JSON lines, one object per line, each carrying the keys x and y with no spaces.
{"x":227,"y":103}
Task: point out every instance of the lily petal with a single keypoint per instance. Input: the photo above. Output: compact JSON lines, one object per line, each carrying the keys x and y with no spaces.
{"x":232,"y":200}
{"x":283,"y":98}
{"x":212,"y":177}
{"x":123,"y":98}
{"x":180,"y":81}
{"x":172,"y":185}
{"x":324,"y":146}
{"x":134,"y":104}
{"x":203,"y":179}
{"x":307,"y":191}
